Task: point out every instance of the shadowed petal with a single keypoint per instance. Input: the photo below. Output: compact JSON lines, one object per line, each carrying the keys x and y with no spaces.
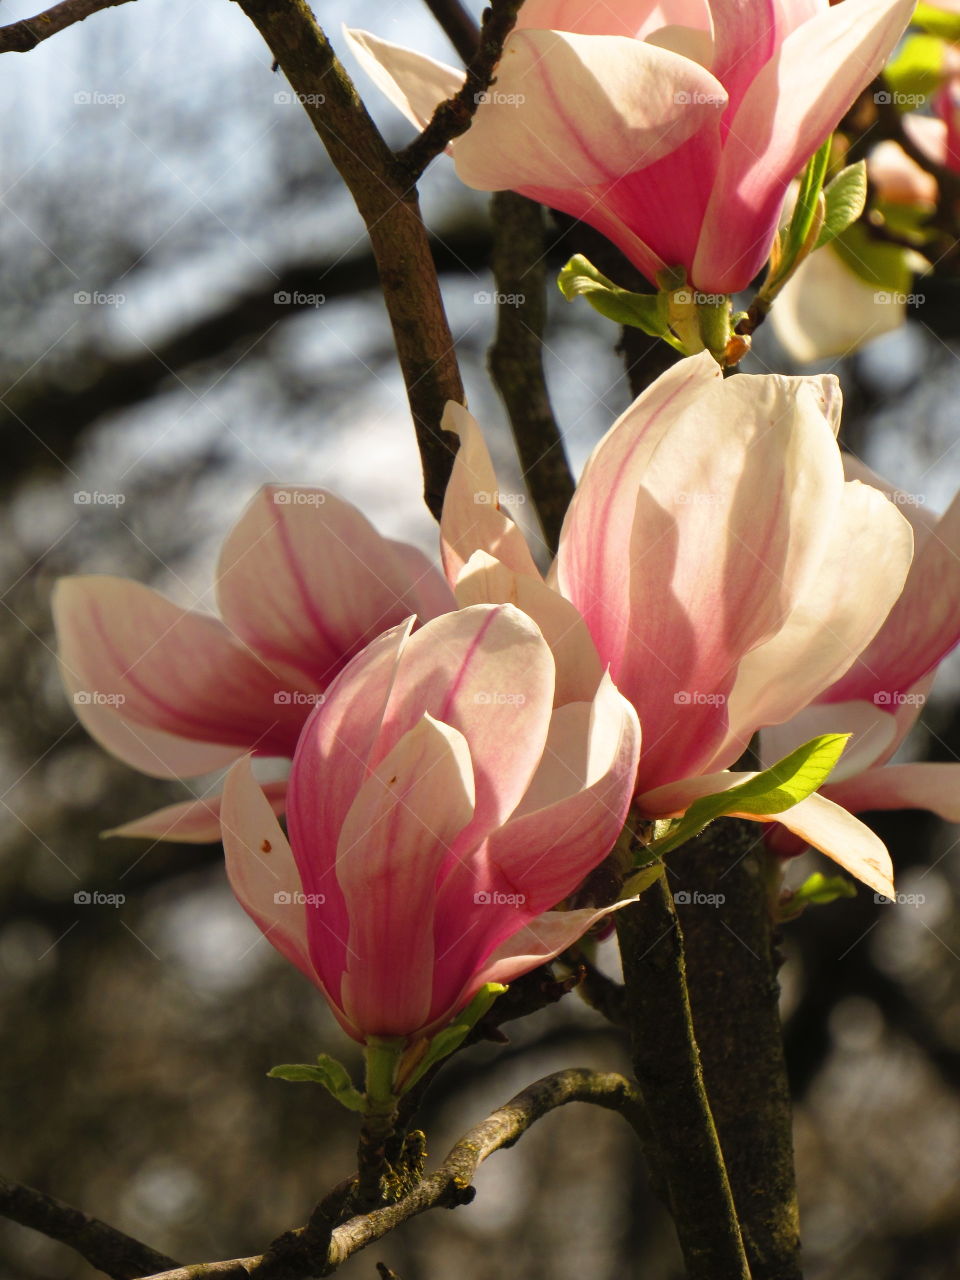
{"x":126,"y":648}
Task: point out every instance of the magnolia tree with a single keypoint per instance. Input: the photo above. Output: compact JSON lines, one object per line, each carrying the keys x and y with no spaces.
{"x":493,"y":765}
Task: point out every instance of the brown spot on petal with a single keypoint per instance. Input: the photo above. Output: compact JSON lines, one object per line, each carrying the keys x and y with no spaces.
{"x":266,"y":846}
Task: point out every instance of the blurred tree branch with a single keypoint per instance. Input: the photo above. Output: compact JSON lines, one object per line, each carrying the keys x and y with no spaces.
{"x":458,"y":25}
{"x":106,"y":1248}
{"x":43,"y":418}
{"x":22,"y":36}
{"x":320,"y":1247}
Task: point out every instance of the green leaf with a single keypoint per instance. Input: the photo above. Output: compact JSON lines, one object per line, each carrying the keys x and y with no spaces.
{"x":780,"y":787}
{"x":816,"y":891}
{"x":642,"y":879}
{"x":452,"y":1037}
{"x":330,"y":1073}
{"x":937,"y":21}
{"x":646,"y":311}
{"x":845,"y":199}
{"x":886,"y":266}
{"x":915,"y":72}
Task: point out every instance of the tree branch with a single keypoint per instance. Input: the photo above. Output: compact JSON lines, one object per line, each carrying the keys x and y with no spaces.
{"x":732,"y":965}
{"x":516,"y":357}
{"x":666,"y":1062}
{"x":448,"y":1188}
{"x":22,"y":36}
{"x":388,"y":204}
{"x":458,"y":26}
{"x":452,"y":118}
{"x":103,"y":1246}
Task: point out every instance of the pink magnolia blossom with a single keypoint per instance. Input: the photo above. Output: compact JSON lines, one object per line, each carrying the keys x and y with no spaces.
{"x":439,"y":807}
{"x":880,"y":698}
{"x":674,"y":128}
{"x":304,"y":581}
{"x":716,"y":560}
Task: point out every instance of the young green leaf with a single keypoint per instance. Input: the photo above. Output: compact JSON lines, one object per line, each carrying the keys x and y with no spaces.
{"x":845,"y":199}
{"x":646,"y":311}
{"x":780,"y":787}
{"x":816,"y":891}
{"x":450,"y":1038}
{"x":328,"y":1072}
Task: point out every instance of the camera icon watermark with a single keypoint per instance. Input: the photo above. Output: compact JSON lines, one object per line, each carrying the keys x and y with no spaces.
{"x":86,"y":498}
{"x":93,"y":698}
{"x":694,"y":698}
{"x":488,"y":898}
{"x":297,"y":698}
{"x":95,"y":898}
{"x":686,"y":898}
{"x":891,"y":97}
{"x":283,"y":298}
{"x":284,"y":97}
{"x":494,"y":98}
{"x":94,"y":98}
{"x":498,"y":698}
{"x":297,"y":898}
{"x":299,"y":497}
{"x":97,"y":298}
{"x":894,"y":698}
{"x":884,"y":297}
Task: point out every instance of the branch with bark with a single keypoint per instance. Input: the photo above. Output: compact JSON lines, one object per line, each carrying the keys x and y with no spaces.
{"x":22,"y":36}
{"x":388,"y":204}
{"x":685,"y":1152}
{"x":322,"y":1246}
{"x":383,"y":188}
{"x":103,"y":1246}
{"x":453,"y":117}
{"x":516,"y":357}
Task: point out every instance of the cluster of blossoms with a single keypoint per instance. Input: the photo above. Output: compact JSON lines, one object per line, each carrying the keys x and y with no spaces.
{"x":464,"y":748}
{"x":464,"y":752}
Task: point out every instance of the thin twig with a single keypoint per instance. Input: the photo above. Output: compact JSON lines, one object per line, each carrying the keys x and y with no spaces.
{"x":458,"y":26}
{"x":453,"y":117}
{"x":451,"y":1185}
{"x":516,"y":357}
{"x":387,"y":202}
{"x":22,"y":36}
{"x":103,"y":1246}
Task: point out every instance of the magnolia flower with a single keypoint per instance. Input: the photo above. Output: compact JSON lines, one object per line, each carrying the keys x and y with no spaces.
{"x":674,"y":128}
{"x":880,"y":697}
{"x":304,"y":581}
{"x":717,"y":561}
{"x":438,"y":808}
{"x":830,"y":306}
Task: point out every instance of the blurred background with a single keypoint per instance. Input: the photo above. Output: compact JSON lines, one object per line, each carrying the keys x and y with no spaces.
{"x":188,"y":310}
